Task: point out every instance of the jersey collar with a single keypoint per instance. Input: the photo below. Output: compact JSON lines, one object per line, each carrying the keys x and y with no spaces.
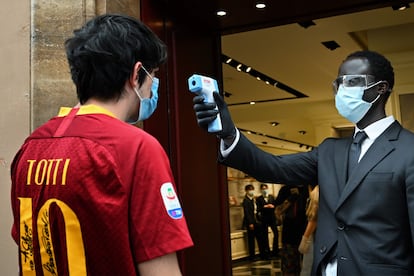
{"x":86,"y":109}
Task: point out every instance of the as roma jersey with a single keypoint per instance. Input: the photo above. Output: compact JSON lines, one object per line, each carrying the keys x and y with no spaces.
{"x":92,"y":195}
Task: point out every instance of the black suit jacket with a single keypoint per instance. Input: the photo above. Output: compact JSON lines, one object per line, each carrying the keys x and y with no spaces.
{"x":266,"y":215}
{"x":370,"y":216}
{"x":248,"y":210}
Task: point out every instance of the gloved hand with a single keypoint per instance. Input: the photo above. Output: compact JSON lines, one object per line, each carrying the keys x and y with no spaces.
{"x":304,"y":245}
{"x":205,"y":114}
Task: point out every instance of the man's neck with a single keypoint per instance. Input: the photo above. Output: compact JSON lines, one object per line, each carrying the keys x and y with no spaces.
{"x":118,"y":108}
{"x":366,"y":121}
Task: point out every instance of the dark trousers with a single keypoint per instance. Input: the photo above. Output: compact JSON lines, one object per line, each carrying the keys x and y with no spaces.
{"x":257,"y":234}
{"x":275,"y":246}
{"x":265,"y":239}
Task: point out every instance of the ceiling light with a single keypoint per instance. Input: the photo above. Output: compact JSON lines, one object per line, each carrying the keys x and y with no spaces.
{"x":306,"y":24}
{"x":400,"y":7}
{"x":241,"y":67}
{"x":221,"y":13}
{"x":331,"y":45}
{"x":282,"y":140}
{"x":252,"y":102}
{"x":260,"y":4}
{"x":303,"y":132}
{"x":274,"y":123}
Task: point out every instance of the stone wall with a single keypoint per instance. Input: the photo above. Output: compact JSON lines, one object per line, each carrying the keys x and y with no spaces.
{"x":15,"y":107}
{"x":53,"y":22}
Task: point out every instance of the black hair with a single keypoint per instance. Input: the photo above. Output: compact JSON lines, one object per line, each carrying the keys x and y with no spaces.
{"x":263,"y":185}
{"x":102,"y":55}
{"x":380,"y":67}
{"x":249,"y":187}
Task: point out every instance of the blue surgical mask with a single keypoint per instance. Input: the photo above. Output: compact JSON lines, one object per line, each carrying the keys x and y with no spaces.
{"x":350,"y":104}
{"x":147,"y":106}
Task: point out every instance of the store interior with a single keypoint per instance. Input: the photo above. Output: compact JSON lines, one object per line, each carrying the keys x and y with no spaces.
{"x":284,"y":120}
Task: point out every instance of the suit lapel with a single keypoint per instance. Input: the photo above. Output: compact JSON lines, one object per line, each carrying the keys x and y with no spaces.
{"x":377,"y":152}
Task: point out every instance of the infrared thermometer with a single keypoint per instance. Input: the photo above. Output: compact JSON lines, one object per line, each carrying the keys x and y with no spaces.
{"x":206,"y":86}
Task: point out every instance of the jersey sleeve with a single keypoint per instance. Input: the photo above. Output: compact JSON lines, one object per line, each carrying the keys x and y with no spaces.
{"x":158,"y":225}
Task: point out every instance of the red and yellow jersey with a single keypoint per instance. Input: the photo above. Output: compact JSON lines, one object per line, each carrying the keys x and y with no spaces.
{"x":93,"y":195}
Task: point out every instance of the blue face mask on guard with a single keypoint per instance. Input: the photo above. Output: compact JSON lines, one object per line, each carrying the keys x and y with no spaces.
{"x":349,"y":91}
{"x":350,"y":104}
{"x":147,"y":106}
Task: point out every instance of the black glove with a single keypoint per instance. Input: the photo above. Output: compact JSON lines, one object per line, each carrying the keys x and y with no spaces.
{"x":206,"y":113}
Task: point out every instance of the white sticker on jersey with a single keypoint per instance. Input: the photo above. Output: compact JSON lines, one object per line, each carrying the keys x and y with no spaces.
{"x":171,"y":202}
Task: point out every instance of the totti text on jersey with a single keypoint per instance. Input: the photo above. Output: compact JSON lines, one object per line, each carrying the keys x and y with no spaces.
{"x":47,"y":171}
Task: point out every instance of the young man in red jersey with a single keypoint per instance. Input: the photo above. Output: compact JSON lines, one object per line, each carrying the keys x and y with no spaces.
{"x":92,"y":194}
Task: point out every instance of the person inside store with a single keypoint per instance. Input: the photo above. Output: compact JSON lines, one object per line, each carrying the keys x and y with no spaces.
{"x":306,"y":243}
{"x":267,"y":217}
{"x":92,"y":194}
{"x":366,"y":182}
{"x":293,"y":226}
{"x":251,"y":223}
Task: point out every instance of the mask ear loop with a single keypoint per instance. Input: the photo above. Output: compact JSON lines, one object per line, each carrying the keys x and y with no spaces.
{"x":136,"y":92}
{"x":379,"y":92}
{"x":376,"y":99}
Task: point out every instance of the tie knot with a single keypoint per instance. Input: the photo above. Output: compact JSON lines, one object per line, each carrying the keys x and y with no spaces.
{"x":360,"y":137}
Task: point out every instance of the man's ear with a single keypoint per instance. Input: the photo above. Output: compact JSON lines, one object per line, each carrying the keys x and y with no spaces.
{"x":133,"y":79}
{"x":383,"y":87}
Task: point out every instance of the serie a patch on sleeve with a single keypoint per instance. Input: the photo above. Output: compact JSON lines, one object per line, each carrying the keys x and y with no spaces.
{"x":171,"y":202}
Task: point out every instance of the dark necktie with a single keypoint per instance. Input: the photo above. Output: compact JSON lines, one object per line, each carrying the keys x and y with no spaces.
{"x":355,"y":151}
